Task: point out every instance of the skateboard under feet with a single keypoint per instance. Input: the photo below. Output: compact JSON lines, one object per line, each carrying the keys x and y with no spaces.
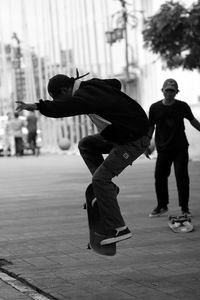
{"x":95,"y":226}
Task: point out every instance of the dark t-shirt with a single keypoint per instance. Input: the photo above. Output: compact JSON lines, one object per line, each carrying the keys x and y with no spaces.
{"x":169,"y":120}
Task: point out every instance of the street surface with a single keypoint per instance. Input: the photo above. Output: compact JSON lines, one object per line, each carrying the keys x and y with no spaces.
{"x":44,"y":235}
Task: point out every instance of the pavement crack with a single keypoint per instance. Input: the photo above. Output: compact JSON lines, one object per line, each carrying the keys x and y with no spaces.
{"x":23,"y":285}
{"x":4,"y":262}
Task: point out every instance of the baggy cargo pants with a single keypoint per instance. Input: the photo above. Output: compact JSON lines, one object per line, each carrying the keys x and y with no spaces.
{"x":103,"y":171}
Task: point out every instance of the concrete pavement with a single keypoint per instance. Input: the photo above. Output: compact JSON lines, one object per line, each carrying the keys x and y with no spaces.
{"x":44,"y":235}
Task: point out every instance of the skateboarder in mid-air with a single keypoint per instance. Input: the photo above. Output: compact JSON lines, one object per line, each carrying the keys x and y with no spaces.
{"x":123,"y":127}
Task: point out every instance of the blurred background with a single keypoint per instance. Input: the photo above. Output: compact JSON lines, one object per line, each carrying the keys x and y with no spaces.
{"x":108,"y":38}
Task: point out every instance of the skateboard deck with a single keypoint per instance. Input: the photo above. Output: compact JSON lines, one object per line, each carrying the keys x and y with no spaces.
{"x":180,"y":224}
{"x":94,"y":223}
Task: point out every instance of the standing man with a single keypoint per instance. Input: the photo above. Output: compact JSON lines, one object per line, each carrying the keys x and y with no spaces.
{"x":17,"y":125}
{"x":9,"y":149}
{"x":168,"y":115}
{"x":32,"y":130}
{"x":123,"y":127}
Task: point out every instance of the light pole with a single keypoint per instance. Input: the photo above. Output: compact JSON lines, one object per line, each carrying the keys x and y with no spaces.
{"x":125,"y":20}
{"x":17,"y":66}
{"x":121,"y":32}
{"x":17,"y":53}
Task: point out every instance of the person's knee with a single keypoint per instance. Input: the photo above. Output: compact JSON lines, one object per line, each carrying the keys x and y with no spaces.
{"x":101,"y":176}
{"x":97,"y":179}
{"x":82,"y":145}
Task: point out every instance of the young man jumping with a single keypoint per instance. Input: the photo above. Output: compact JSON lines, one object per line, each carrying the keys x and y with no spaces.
{"x":123,"y":127}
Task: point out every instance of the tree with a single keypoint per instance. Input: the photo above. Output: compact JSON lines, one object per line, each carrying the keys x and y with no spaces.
{"x":174,"y":34}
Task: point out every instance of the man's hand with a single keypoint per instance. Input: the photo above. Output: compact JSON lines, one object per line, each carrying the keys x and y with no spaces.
{"x":25,"y":106}
{"x":150,"y":149}
{"x":147,"y":153}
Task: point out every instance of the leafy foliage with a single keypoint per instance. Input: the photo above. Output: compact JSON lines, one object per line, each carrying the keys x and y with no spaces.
{"x":174,"y":33}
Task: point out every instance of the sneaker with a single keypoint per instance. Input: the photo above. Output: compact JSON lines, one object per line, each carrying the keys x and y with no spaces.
{"x":158,"y":211}
{"x":186,"y":212}
{"x":116,"y":236}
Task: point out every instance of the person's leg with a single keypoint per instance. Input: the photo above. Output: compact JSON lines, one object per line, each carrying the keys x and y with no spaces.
{"x":20,"y":146}
{"x":162,"y":172}
{"x":12,"y":146}
{"x":17,"y":146}
{"x":182,"y":177}
{"x":32,"y":140}
{"x":91,"y":149}
{"x":6,"y":150}
{"x":119,"y":158}
{"x":29,"y":138}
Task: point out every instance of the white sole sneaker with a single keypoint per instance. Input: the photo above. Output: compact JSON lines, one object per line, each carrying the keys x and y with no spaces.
{"x":158,"y":215}
{"x":116,"y":239}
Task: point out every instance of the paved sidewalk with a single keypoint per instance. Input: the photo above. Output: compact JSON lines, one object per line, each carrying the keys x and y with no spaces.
{"x":44,"y":235}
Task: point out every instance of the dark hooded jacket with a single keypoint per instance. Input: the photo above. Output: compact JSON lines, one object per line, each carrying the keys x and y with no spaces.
{"x":104,"y":98}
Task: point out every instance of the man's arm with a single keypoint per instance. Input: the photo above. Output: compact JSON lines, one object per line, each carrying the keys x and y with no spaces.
{"x":151,"y":146}
{"x":151,"y":131}
{"x":195,"y":123}
{"x":72,"y":106}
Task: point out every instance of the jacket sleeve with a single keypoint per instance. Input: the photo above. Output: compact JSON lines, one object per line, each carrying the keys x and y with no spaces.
{"x":59,"y":109}
{"x":188,"y":112}
{"x":88,"y":99}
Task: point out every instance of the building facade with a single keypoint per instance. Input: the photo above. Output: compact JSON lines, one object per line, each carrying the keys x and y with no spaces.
{"x":65,"y":35}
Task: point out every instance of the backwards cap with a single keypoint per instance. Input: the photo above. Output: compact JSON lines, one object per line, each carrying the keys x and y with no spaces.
{"x":61,"y":81}
{"x":170,"y":84}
